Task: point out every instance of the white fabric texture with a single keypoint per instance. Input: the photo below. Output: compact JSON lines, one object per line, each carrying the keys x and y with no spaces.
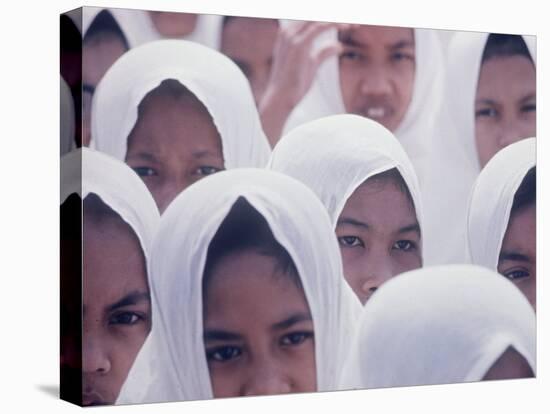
{"x":416,"y":129}
{"x":172,"y":364}
{"x":438,"y":325}
{"x":492,"y":199}
{"x":66,"y":119}
{"x":334,"y":155}
{"x":85,"y":171}
{"x":213,"y":78}
{"x":140,"y":28}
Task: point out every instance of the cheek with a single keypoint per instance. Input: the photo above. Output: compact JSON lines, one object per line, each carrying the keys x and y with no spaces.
{"x":403,"y":262}
{"x":303,"y":369}
{"x":486,"y":141}
{"x":226,"y":382}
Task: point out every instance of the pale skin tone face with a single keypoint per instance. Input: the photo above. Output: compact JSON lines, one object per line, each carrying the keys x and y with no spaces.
{"x":98,"y":54}
{"x":379,"y":236}
{"x":377,"y":70}
{"x":249,"y":43}
{"x":173,"y":145}
{"x":116,"y":314}
{"x":510,"y":365}
{"x":518,"y":255}
{"x":258,"y":330}
{"x":170,"y":24}
{"x":505,"y":105}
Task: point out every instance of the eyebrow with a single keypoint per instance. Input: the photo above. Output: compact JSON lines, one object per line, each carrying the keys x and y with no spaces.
{"x":513,"y":256}
{"x":147,"y":156}
{"x":292,"y":320}
{"x":528,"y":97}
{"x":401,"y":44}
{"x":220,"y":335}
{"x":411,"y":227}
{"x":131,"y":299}
{"x":203,"y":153}
{"x":352,"y":222}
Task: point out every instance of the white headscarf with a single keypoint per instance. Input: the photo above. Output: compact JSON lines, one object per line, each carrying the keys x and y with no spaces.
{"x":492,"y":199}
{"x":336,"y":154}
{"x":438,"y":325}
{"x":85,"y":171}
{"x":213,"y":78}
{"x":141,"y":29}
{"x":416,"y":129}
{"x":172,"y":364}
{"x":66,"y":118}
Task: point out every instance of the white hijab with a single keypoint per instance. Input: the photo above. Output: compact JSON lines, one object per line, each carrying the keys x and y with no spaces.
{"x":66,"y":119}
{"x":334,"y":155}
{"x":172,"y":363}
{"x":85,"y":171}
{"x":492,"y":199}
{"x":213,"y":78}
{"x":438,"y":325}
{"x":140,"y":28}
{"x":416,"y":129}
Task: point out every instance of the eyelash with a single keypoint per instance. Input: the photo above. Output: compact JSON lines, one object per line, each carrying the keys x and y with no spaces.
{"x":532,"y":107}
{"x":410,"y":245}
{"x":296,"y":338}
{"x":513,"y":274}
{"x":215,"y":354}
{"x":135,"y":318}
{"x":350,"y":241}
{"x":207,"y":170}
{"x":145,"y":171}
{"x":486,"y":112}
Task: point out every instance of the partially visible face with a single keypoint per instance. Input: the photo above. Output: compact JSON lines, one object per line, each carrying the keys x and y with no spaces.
{"x":379,"y":236}
{"x":173,"y":144}
{"x":377,"y":71}
{"x":510,"y":365}
{"x":98,"y":54}
{"x":258,"y":330}
{"x":505,"y":105}
{"x":249,"y":42}
{"x":170,"y":24}
{"x":116,"y":308}
{"x":518,"y":255}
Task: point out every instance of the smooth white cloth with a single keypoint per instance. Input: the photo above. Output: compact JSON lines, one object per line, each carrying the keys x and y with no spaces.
{"x":66,"y":118}
{"x":85,"y":171}
{"x":334,"y":155}
{"x":416,"y":129}
{"x":492,"y":199}
{"x":172,"y":364}
{"x":213,"y":78}
{"x":438,"y":325}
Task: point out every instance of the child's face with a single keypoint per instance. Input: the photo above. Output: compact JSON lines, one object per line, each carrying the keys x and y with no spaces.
{"x":173,"y":144}
{"x":169,"y":24}
{"x":377,"y":70}
{"x":505,"y":105}
{"x":116,"y":308}
{"x":518,"y":255}
{"x":379,"y":236}
{"x":258,"y":330}
{"x":249,"y":43}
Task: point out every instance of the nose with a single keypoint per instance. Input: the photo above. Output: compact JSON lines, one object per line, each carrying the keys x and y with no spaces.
{"x":94,"y":355}
{"x":169,"y":191}
{"x":514,"y":131}
{"x":375,"y":81}
{"x":376,"y":275}
{"x":266,"y":378}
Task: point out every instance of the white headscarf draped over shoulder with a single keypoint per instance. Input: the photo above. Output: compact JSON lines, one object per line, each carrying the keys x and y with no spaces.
{"x":336,"y":154}
{"x":172,"y":364}
{"x":85,"y":171}
{"x":213,"y":78}
{"x":141,"y":29}
{"x":439,"y":325}
{"x":416,"y":129}
{"x":492,"y":199}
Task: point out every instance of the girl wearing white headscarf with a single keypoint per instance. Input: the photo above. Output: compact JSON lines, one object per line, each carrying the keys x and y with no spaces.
{"x":113,"y":220}
{"x":212,"y":81}
{"x":462,"y":323}
{"x":492,"y":210}
{"x":415,"y":130}
{"x":335,"y":156}
{"x":172,"y":365}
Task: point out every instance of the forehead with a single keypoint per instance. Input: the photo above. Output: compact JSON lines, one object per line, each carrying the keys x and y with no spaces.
{"x":521,"y":232}
{"x":238,"y":32}
{"x":506,"y":76}
{"x":98,"y":55}
{"x":380,"y":203}
{"x":114,"y":263}
{"x":378,"y":36}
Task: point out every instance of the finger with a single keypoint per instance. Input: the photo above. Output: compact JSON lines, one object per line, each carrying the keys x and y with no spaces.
{"x":293,"y":27}
{"x":326,"y":53}
{"x":313,"y":31}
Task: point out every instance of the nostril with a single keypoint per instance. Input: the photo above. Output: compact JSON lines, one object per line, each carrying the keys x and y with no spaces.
{"x":373,"y":289}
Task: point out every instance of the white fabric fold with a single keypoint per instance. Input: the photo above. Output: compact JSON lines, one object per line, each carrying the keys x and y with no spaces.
{"x":439,"y":325}
{"x":492,"y":199}
{"x":213,"y":78}
{"x":172,"y":364}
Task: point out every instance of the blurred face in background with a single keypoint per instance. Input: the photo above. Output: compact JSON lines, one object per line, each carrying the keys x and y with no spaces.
{"x":249,"y":42}
{"x":170,"y":24}
{"x":505,"y":104}
{"x":377,"y":71}
{"x":174,"y":142}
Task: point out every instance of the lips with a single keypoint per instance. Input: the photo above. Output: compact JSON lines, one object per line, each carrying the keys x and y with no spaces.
{"x":92,"y":398}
